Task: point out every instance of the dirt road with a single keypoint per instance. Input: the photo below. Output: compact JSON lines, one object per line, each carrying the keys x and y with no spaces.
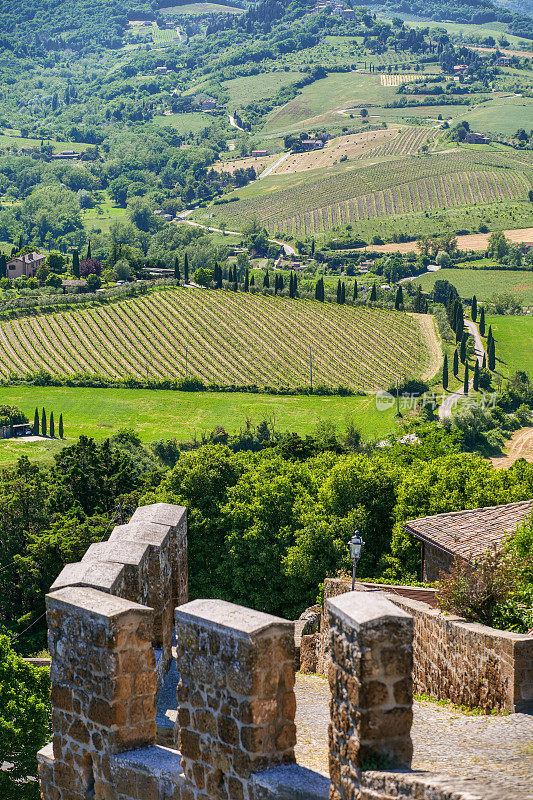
{"x":520,"y":446}
{"x":451,"y":400}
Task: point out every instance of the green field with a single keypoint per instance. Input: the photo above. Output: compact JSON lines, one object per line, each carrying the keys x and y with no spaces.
{"x":243,"y":91}
{"x":103,"y":216}
{"x":165,"y":414}
{"x":514,"y":343}
{"x":224,"y":338}
{"x":202,"y":8}
{"x":501,"y":115}
{"x":484,"y":282}
{"x":193,"y":122}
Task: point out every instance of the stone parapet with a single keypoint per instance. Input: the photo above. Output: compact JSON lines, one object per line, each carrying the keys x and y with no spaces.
{"x":236,"y":695}
{"x":371,"y":645}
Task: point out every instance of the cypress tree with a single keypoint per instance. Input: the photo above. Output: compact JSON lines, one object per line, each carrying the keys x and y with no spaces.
{"x":339,"y":291}
{"x":252,"y":281}
{"x":281,"y":283}
{"x":177,"y":273}
{"x":61,"y":426}
{"x":52,"y":426}
{"x":266,"y":280}
{"x":462,"y":348}
{"x":474,"y":309}
{"x":343,"y":293}
{"x":476,"y":376}
{"x":482,"y":322}
{"x":295,"y":285}
{"x":459,"y":321}
{"x":76,"y":264}
{"x":492,"y":356}
{"x":373,"y":293}
{"x":291,"y":285}
{"x":3,"y":265}
{"x":355,"y":290}
{"x":489,"y":335}
{"x":445,"y":372}
{"x":246,"y":280}
{"x":43,"y":422}
{"x":450,"y":308}
{"x":465,"y":385}
{"x":35,"y":430}
{"x":484,"y":364}
{"x":319,"y":290}
{"x":186,"y":268}
{"x":89,"y":249}
{"x":398,"y":302}
{"x":455,"y":363}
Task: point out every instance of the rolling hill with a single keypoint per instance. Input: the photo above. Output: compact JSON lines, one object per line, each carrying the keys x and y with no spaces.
{"x":226,"y":338}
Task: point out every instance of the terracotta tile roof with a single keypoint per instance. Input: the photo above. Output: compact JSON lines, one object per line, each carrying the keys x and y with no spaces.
{"x":472,"y":533}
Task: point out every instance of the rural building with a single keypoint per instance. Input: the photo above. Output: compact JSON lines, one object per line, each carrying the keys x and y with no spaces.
{"x":259,"y":153}
{"x":312,"y":144}
{"x":76,"y":284}
{"x":460,"y":68}
{"x":67,"y":154}
{"x":477,"y":138}
{"x":466,"y":535}
{"x":25,"y":265}
{"x":205,"y":102}
{"x":503,"y":61}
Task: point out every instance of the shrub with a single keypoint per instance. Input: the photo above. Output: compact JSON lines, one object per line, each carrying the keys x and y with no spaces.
{"x":476,"y":590}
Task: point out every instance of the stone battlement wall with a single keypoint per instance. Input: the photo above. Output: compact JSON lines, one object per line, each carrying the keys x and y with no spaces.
{"x":111,"y":621}
{"x":455,"y":660}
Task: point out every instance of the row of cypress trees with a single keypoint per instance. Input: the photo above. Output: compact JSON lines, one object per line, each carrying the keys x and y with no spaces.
{"x":45,"y":428}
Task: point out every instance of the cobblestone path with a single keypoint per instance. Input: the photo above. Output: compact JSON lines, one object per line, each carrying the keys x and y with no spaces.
{"x":496,"y":750}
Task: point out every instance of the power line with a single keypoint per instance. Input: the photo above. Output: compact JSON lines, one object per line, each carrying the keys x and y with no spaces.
{"x":27,"y":629}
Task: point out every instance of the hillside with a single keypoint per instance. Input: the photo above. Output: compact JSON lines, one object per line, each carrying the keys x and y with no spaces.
{"x":227,"y":338}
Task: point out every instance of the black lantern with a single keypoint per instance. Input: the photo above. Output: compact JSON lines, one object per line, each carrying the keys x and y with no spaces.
{"x":355,"y":544}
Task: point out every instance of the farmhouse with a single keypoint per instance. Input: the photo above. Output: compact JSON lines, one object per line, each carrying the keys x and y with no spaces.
{"x":477,"y":138}
{"x":259,"y":153}
{"x":25,"y":265}
{"x":67,"y":155}
{"x":466,"y":535}
{"x":312,"y":144}
{"x":205,"y":102}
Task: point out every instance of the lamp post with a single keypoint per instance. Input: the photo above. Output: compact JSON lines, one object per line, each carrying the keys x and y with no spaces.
{"x":356,"y":545}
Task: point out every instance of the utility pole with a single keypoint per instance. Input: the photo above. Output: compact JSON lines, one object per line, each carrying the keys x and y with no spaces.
{"x":311,"y":367}
{"x":186,"y":355}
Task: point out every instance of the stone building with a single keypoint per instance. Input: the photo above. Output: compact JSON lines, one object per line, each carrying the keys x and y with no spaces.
{"x":25,"y":265}
{"x":466,"y":535}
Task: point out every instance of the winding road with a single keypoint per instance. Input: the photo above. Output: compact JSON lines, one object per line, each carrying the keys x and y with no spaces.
{"x":451,"y":400}
{"x":289,"y":251}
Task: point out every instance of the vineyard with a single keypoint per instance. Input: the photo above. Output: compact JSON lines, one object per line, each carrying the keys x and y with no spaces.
{"x":396,"y":80}
{"x":438,"y":180}
{"x":225,"y":337}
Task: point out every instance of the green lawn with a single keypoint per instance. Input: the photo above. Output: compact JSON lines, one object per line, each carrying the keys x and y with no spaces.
{"x":484,"y":282}
{"x":203,"y":8}
{"x":164,"y":414}
{"x":104,"y":216}
{"x":514,"y":343}
{"x":501,"y":115}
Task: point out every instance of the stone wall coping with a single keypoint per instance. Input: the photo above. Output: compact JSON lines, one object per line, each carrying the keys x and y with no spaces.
{"x":426,"y":786}
{"x":46,"y":754}
{"x":156,"y":760}
{"x":161,"y":513}
{"x":245,"y":623}
{"x":95,"y":603}
{"x":291,"y":782}
{"x":104,"y":575}
{"x":362,"y":609}
{"x":474,"y":627}
{"x":129,"y":552}
{"x":148,"y":532}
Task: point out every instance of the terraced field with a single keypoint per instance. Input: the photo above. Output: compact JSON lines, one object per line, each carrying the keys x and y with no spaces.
{"x":303,"y":205}
{"x":230,"y":338}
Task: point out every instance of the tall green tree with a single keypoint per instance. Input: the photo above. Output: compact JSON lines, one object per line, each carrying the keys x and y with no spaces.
{"x":35,"y":429}
{"x":60,"y":427}
{"x":319,"y":290}
{"x":355,"y":290}
{"x":76,"y":264}
{"x":247,"y":280}
{"x":474,"y":309}
{"x":186,"y":268}
{"x":492,"y":355}
{"x":489,"y":335}
{"x":482,"y":322}
{"x":52,"y":425}
{"x":373,"y":293}
{"x":465,"y":385}
{"x":177,"y":273}
{"x":343,"y":293}
{"x":445,"y":372}
{"x":462,"y":350}
{"x":89,"y":250}
{"x":476,"y":376}
{"x":456,"y":363}
{"x":266,"y":280}
{"x":398,"y":301}
{"x":43,"y":423}
{"x":339,"y":291}
{"x":3,"y":265}
{"x":484,"y":364}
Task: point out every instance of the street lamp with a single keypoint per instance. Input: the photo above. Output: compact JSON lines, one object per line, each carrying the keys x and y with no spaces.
{"x":356,"y":545}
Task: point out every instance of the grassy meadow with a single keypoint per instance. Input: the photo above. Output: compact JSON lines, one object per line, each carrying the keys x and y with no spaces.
{"x":484,"y":282}
{"x":514,"y":343}
{"x":153,"y":415}
{"x":243,"y":91}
